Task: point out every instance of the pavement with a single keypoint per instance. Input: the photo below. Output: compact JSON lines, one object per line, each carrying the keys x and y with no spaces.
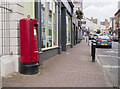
{"x":72,"y":68}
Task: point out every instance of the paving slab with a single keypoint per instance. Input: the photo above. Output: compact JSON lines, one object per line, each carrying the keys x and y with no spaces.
{"x":72,"y":68}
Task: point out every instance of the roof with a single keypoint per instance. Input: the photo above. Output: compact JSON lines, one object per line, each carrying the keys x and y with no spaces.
{"x":117,"y":12}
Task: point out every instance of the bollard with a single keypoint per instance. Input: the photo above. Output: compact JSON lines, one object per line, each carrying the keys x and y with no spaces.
{"x":93,"y":47}
{"x":86,"y":39}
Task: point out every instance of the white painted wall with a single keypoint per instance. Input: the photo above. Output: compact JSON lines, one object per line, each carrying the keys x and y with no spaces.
{"x":9,"y":63}
{"x":92,"y":26}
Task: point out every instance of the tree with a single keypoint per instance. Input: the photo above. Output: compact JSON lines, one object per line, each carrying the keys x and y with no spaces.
{"x":79,"y":14}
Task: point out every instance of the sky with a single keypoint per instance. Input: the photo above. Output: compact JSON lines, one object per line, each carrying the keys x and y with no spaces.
{"x":100,"y":9}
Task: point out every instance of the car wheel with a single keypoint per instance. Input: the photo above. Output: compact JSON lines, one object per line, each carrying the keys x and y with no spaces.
{"x":110,"y":46}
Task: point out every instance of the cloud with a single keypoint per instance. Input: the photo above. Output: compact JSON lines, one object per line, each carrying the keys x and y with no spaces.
{"x":102,"y":12}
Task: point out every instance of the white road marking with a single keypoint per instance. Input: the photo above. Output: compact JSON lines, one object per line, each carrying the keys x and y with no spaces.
{"x":108,"y":49}
{"x":111,"y":52}
{"x":108,"y":56}
{"x":109,"y":66}
{"x":98,"y":61}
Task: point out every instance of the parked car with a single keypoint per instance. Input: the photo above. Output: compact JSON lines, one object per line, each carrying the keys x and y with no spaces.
{"x":115,"y":38}
{"x":104,"y":41}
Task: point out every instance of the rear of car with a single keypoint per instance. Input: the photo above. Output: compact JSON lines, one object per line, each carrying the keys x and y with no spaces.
{"x":104,"y":41}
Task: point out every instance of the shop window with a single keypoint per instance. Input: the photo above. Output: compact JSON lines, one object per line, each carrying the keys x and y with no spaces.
{"x":43,"y":24}
{"x":49,"y":31}
{"x":68,"y":29}
{"x":55,"y":24}
{"x":49,"y":20}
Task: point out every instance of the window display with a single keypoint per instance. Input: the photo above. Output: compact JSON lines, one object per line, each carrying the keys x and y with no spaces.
{"x":43,"y":24}
{"x":68,"y":29}
{"x":55,"y":24}
{"x":49,"y":20}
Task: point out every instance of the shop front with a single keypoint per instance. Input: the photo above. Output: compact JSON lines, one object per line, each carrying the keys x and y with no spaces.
{"x":55,"y":31}
{"x":66,"y":30}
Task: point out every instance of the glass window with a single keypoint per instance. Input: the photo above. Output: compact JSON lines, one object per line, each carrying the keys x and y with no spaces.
{"x":49,"y":30}
{"x":103,"y":37}
{"x":49,"y":20}
{"x":43,"y":38}
{"x":68,"y":29}
{"x":55,"y":24}
{"x":43,"y":3}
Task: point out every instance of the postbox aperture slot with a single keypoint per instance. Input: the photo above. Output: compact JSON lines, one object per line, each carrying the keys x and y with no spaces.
{"x":35,"y":31}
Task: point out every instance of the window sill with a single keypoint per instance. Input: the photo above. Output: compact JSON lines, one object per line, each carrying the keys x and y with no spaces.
{"x":68,"y":44}
{"x":45,"y":49}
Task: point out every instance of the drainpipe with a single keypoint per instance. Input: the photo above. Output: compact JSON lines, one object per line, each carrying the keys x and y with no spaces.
{"x":39,"y":27}
{"x":38,"y":17}
{"x":71,"y":34}
{"x":71,"y":30}
{"x":59,"y":27}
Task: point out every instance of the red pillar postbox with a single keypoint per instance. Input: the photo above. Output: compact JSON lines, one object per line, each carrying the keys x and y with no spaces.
{"x":29,"y":46}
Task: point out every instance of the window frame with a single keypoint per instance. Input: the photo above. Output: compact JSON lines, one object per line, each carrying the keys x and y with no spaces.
{"x":47,"y":25}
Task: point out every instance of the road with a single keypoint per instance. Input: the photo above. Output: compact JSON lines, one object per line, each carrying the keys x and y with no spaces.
{"x":109,"y":60}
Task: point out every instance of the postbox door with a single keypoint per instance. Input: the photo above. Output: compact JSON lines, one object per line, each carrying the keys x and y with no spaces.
{"x":34,"y":43}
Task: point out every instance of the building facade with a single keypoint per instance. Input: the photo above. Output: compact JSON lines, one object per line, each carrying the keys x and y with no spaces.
{"x":55,"y":30}
{"x":76,"y":31}
{"x":117,"y":19}
{"x":112,"y":25}
{"x":93,"y":25}
{"x":10,"y":14}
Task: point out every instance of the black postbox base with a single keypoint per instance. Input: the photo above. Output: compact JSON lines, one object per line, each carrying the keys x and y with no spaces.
{"x":29,"y":68}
